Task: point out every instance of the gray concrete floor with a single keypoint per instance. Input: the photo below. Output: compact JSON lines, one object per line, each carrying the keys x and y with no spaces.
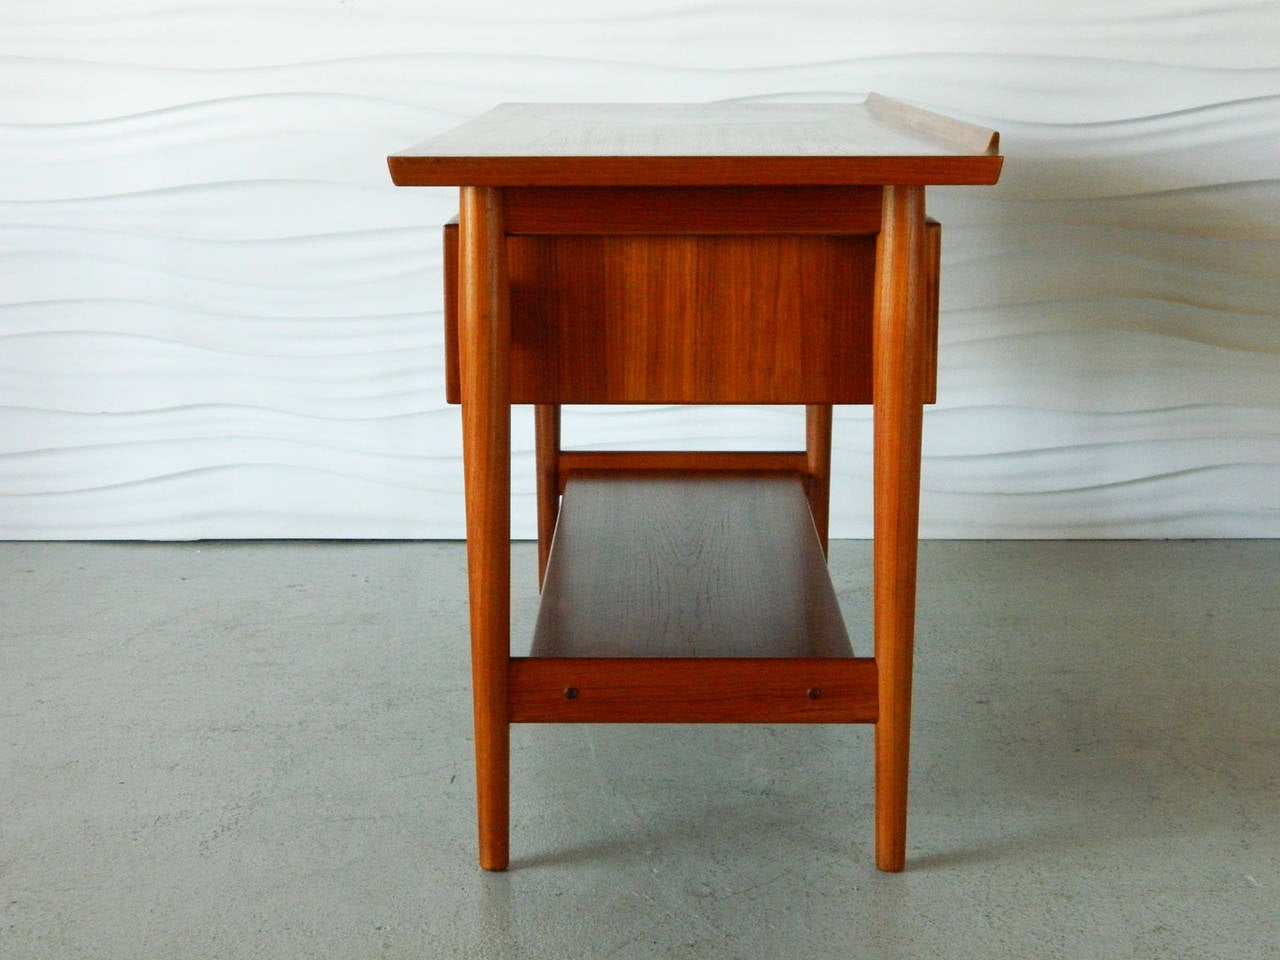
{"x":263,"y":750}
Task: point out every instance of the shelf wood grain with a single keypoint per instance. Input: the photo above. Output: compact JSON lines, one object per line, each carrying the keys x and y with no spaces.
{"x":689,"y":597}
{"x":688,"y":565}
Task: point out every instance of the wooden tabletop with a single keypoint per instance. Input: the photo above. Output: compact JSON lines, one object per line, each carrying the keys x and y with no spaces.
{"x":663,"y":144}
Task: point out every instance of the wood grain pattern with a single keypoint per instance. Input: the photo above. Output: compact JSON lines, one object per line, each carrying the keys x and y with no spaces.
{"x":671,"y":319}
{"x":711,"y":210}
{"x":683,"y":171}
{"x":579,"y":462}
{"x":577,"y":144}
{"x":486,"y":438}
{"x":557,"y":324}
{"x":686,"y":690}
{"x":898,"y":416}
{"x":687,"y":565}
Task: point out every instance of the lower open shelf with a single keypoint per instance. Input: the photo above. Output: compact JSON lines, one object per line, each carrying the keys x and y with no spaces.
{"x":689,"y":598}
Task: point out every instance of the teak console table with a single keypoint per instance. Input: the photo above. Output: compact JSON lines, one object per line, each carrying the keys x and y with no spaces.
{"x":692,"y":254}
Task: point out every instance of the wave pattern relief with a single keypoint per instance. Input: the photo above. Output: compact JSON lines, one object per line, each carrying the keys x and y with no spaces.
{"x":219,"y":319}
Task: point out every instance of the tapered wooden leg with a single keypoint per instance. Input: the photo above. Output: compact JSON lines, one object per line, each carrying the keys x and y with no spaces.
{"x":897,"y":396}
{"x":546,"y":428}
{"x":484,"y":342}
{"x":817,"y":422}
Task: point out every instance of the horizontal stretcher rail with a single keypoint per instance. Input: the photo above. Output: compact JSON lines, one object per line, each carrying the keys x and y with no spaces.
{"x":692,"y":690}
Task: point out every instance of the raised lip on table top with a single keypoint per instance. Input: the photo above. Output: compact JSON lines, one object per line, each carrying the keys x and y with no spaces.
{"x":966,"y":153}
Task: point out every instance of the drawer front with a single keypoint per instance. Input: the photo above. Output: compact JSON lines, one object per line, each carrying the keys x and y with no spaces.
{"x":731,"y":318}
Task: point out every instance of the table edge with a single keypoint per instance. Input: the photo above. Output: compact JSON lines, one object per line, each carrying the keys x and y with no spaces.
{"x":663,"y":171}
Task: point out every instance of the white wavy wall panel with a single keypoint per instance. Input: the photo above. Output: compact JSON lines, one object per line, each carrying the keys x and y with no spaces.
{"x":218,"y":319}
